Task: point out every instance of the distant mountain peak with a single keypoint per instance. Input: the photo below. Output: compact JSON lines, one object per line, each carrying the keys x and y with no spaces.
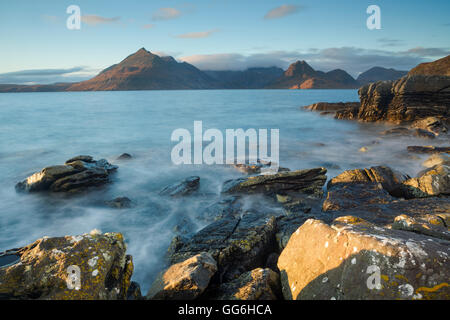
{"x":300,"y":68}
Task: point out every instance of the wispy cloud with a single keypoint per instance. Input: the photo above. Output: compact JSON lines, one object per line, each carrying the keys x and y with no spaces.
{"x":148,"y":26}
{"x":196,"y":35}
{"x":46,"y":76}
{"x":282,"y":11}
{"x":428,"y":52}
{"x":387,"y":42}
{"x":166,"y":14}
{"x":93,"y":20}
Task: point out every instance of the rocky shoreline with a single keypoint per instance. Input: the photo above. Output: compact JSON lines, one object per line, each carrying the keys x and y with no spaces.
{"x":308,"y":244}
{"x":369,"y":233}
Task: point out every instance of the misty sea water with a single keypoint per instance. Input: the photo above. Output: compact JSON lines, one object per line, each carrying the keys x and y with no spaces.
{"x":43,"y":129}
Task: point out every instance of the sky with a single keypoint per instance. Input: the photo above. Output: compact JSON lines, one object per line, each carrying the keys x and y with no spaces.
{"x":37,"y":47}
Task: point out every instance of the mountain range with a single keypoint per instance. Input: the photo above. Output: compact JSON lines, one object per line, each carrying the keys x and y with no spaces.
{"x":144,"y":70}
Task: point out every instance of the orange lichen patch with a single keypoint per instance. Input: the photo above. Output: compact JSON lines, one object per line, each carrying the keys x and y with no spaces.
{"x":433,"y":289}
{"x":350,"y":220}
{"x":385,"y":277}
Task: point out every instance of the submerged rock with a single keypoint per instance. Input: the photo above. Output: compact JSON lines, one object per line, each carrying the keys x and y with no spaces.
{"x":308,"y":181}
{"x":437,"y":159}
{"x":259,"y":167}
{"x":354,"y":259}
{"x":119,"y":203}
{"x":48,"y":269}
{"x":183,"y":188}
{"x":185,"y":280}
{"x":76,"y":175}
{"x":125,"y":156}
{"x":258,"y":284}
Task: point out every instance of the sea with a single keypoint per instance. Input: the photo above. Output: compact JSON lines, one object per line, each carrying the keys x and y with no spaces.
{"x":44,"y":129}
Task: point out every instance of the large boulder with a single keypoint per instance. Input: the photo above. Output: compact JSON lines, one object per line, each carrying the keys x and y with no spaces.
{"x":308,"y":181}
{"x":182,"y":188}
{"x":237,"y":244}
{"x":90,"y":266}
{"x":410,"y":98}
{"x":257,"y":284}
{"x":355,"y":259}
{"x":77,"y":174}
{"x":185,"y":280}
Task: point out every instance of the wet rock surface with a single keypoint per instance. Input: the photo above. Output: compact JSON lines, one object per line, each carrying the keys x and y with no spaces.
{"x":78,"y":174}
{"x":46,"y":268}
{"x":183,"y":188}
{"x":308,"y":181}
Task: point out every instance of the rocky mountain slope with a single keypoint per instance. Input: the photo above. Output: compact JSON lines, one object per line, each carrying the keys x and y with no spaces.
{"x":380,"y":74}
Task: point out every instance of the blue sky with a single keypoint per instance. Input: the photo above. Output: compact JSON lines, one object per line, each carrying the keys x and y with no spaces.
{"x":36,"y":46}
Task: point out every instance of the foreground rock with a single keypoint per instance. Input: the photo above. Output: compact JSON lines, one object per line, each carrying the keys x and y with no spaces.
{"x":119,"y":203}
{"x":258,"y":284}
{"x":437,"y":159}
{"x":309,"y":181}
{"x":183,"y":188}
{"x":354,"y":259}
{"x":46,"y":267}
{"x":434,"y":125}
{"x":237,"y":244}
{"x":185,"y":280}
{"x":259,"y":167}
{"x":77,"y":174}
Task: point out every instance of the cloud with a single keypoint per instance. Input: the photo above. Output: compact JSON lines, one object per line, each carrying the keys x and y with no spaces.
{"x":196,"y":35}
{"x":93,"y":20}
{"x":387,"y":42}
{"x":46,"y":76}
{"x":282,"y":11}
{"x":51,"y":19}
{"x":166,"y":14}
{"x":148,"y":26}
{"x":351,"y":59}
{"x":428,"y":52}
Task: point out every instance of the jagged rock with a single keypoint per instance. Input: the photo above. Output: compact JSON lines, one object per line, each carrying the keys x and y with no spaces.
{"x":433,"y":125}
{"x":343,"y":196}
{"x":407,"y":99}
{"x":119,"y":203}
{"x":308,"y":181}
{"x":428,"y":224}
{"x":226,"y":207}
{"x":45,"y":269}
{"x":183,"y":188}
{"x":389,"y":179}
{"x":424,"y":134}
{"x":237,"y":244}
{"x":433,"y":181}
{"x":258,"y":284}
{"x":437,"y":159}
{"x":185,"y":280}
{"x":428,"y":149}
{"x":347,"y":114}
{"x":402,"y":131}
{"x":77,"y":174}
{"x":354,"y":259}
{"x":286,"y":226}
